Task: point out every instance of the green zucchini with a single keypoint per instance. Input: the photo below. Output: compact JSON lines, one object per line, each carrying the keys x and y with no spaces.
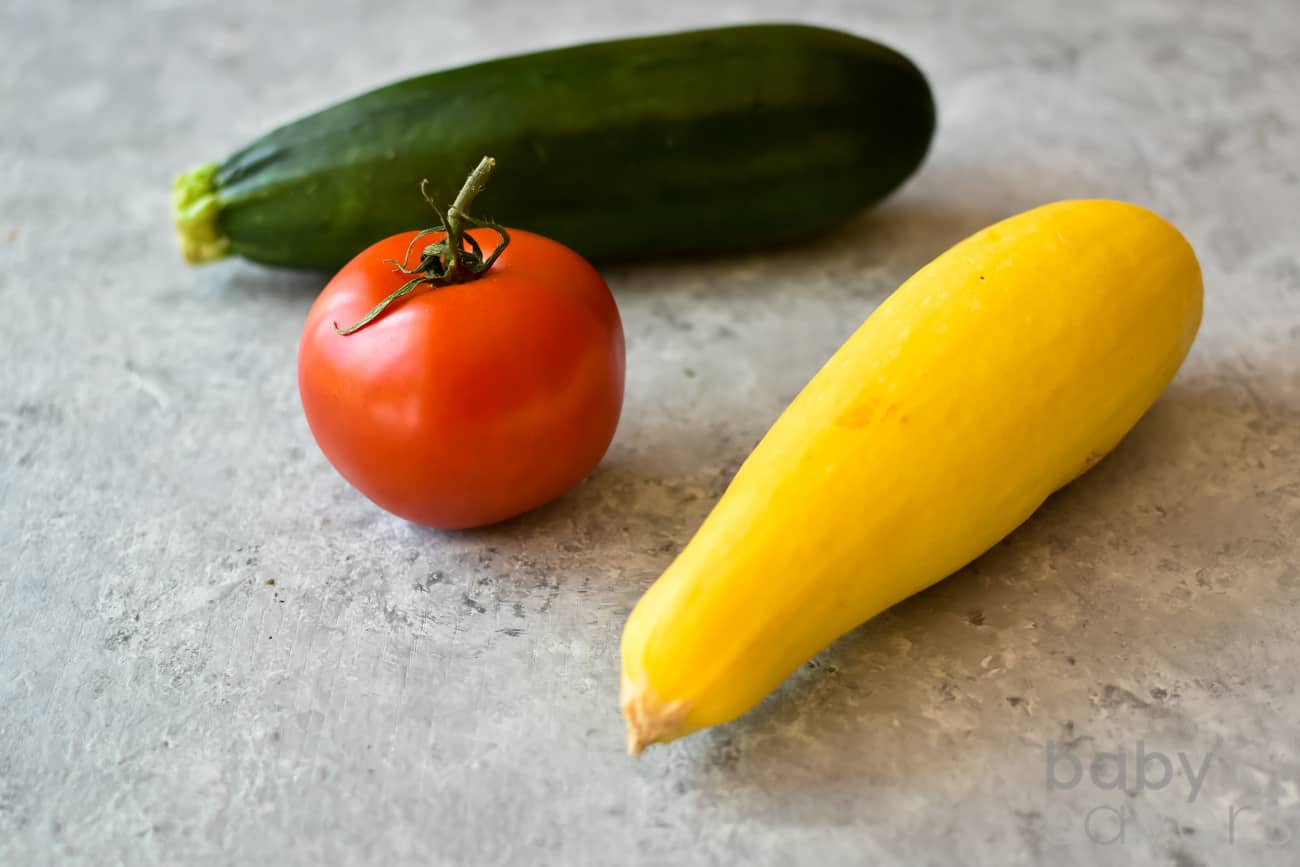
{"x":698,"y":142}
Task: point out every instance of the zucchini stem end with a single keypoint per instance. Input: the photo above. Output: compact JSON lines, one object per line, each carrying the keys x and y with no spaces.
{"x":196,"y":209}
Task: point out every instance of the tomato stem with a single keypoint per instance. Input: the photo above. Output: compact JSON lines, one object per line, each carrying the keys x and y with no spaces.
{"x":459,"y":211}
{"x":445,"y":262}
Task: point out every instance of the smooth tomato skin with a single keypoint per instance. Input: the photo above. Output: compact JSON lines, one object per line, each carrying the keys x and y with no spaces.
{"x":467,"y":404}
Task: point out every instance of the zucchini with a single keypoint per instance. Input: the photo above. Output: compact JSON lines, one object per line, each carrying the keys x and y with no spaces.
{"x":697,"y":142}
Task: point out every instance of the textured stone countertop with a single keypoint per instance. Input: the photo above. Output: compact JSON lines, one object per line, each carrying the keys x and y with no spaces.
{"x":404,"y":696}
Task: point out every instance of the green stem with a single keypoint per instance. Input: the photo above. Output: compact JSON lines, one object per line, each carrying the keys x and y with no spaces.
{"x":457,"y":213}
{"x":447,"y":261}
{"x":195,"y":208}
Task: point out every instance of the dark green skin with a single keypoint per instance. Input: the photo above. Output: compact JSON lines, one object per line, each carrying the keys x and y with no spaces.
{"x":709,"y":141}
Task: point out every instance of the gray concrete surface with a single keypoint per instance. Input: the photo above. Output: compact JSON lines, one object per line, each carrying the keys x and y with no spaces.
{"x":402,"y":696}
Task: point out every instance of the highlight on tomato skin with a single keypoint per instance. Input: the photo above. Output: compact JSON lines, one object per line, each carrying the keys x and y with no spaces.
{"x":465,"y":404}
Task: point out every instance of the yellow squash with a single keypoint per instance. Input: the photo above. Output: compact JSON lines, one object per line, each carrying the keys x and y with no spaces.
{"x":995,"y":375}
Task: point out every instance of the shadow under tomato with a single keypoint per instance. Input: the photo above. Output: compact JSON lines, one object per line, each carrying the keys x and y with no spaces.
{"x":623,"y":512}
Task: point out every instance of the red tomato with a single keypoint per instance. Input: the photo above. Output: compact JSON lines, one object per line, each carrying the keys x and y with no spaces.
{"x":466,"y":404}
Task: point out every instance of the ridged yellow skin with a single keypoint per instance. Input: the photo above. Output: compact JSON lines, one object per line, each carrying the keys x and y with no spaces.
{"x":997,"y":374}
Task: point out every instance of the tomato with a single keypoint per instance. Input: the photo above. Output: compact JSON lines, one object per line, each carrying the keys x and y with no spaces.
{"x":471,"y":403}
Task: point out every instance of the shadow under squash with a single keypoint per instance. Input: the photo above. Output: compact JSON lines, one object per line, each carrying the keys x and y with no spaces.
{"x":1142,"y":582}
